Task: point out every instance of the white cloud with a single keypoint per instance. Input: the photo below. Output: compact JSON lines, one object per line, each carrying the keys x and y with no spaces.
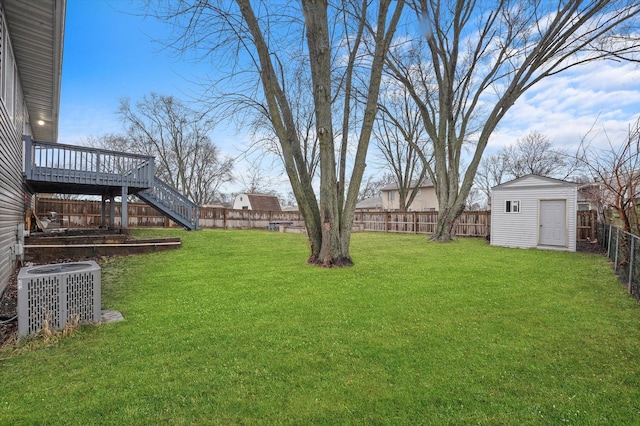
{"x":602,"y":96}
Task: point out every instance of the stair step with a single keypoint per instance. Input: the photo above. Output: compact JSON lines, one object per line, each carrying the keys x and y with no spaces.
{"x":171,"y":203}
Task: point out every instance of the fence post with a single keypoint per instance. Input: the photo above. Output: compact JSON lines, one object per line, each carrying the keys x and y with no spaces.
{"x":615,"y":262}
{"x":415,"y":222}
{"x":609,"y":243}
{"x":631,"y":261}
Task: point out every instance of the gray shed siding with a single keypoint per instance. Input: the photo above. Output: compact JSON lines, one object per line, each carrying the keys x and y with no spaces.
{"x":522,"y":229}
{"x":12,"y":126}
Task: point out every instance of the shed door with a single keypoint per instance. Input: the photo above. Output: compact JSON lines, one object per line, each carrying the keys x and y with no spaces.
{"x":553,"y":222}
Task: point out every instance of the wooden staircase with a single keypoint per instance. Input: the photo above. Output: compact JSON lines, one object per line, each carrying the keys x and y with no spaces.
{"x":69,"y":169}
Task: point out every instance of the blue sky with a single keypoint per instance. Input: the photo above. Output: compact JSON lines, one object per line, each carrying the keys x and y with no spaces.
{"x":109,"y":54}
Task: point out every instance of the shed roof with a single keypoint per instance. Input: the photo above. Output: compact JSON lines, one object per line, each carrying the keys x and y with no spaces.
{"x":264,"y":202}
{"x":533,"y":179}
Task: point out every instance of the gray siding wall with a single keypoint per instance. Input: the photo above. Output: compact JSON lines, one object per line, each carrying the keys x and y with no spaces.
{"x":12,"y":124}
{"x":522,"y":229}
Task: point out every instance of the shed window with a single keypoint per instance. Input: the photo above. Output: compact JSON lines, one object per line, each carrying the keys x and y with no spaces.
{"x":512,"y":206}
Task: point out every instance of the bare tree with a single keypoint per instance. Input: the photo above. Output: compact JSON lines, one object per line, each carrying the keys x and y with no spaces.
{"x":255,"y":181}
{"x":475,"y":200}
{"x":615,"y":173}
{"x":478,"y":57}
{"x":263,"y":41}
{"x":492,"y":171}
{"x":208,"y":173}
{"x":401,"y":141}
{"x":265,"y":139}
{"x":177,"y":136}
{"x":373,"y":184}
{"x":534,"y":154}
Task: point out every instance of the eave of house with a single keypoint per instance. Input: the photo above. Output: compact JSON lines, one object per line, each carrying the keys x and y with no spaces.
{"x":426,"y":183}
{"x":36,"y":30}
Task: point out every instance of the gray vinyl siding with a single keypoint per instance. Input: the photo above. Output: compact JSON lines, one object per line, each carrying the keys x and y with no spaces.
{"x":522,"y":229}
{"x":11,"y":186}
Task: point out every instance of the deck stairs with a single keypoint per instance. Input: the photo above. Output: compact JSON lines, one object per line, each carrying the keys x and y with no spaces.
{"x":171,"y":203}
{"x":69,"y":169}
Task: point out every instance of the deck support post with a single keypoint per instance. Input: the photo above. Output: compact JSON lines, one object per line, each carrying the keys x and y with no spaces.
{"x":112,"y":210}
{"x":123,"y":208}
{"x":103,"y":211}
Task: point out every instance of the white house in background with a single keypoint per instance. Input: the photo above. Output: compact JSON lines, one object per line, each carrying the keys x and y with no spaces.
{"x":426,"y":199}
{"x":534,"y":212}
{"x":268,"y":203}
{"x":31,"y":38}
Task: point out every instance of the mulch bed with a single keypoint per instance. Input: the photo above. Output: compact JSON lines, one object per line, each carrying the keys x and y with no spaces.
{"x":8,"y":310}
{"x":589,"y":247}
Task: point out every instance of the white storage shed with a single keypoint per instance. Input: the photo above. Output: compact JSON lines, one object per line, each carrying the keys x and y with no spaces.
{"x":534,"y":212}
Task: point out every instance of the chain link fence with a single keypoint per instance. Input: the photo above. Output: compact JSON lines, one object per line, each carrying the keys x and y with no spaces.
{"x":623,"y":249}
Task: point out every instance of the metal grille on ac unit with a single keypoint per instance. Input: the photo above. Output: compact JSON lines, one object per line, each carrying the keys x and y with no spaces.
{"x":57,"y":294}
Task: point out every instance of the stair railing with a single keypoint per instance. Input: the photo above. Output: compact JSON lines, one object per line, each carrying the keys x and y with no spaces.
{"x":171,"y":202}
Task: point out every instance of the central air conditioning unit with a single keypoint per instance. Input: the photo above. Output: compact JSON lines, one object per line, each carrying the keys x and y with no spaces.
{"x":57,"y":294}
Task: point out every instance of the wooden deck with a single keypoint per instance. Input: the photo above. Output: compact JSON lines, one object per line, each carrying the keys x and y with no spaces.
{"x":83,"y":170}
{"x":69,"y":169}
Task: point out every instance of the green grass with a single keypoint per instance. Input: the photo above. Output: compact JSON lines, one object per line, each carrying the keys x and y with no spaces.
{"x":236,"y":328}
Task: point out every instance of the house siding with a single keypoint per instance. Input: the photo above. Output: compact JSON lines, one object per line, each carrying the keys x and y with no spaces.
{"x":11,"y":185}
{"x":424,"y":201}
{"x":522,"y":229}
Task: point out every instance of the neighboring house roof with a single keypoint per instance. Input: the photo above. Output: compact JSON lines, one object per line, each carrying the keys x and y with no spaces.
{"x":426,"y":183}
{"x":264,"y":202}
{"x":36,"y":29}
{"x":541,"y":179}
{"x":370,"y":203}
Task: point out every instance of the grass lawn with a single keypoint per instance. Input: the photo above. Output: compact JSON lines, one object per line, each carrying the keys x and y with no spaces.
{"x":236,"y":328}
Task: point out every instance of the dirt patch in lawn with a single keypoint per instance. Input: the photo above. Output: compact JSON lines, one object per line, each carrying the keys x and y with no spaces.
{"x":590,"y":247}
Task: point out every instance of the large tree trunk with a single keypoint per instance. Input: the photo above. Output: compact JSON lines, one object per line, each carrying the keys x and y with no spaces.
{"x":320,"y":62}
{"x":446,"y":225}
{"x":329,"y":221}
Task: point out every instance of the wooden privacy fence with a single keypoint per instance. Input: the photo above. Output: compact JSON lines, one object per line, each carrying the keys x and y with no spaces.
{"x":211,"y":217}
{"x":469,"y":224}
{"x":81,"y":214}
{"x":86,"y":214}
{"x":586,"y":225}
